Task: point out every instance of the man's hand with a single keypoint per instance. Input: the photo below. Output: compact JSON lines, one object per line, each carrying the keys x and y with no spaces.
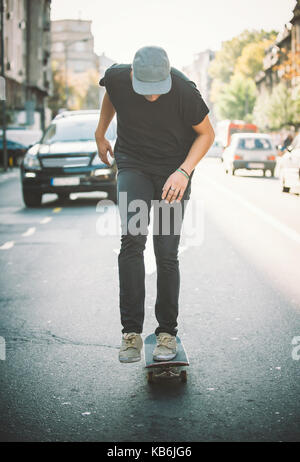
{"x":103,"y":146}
{"x":178,"y":182}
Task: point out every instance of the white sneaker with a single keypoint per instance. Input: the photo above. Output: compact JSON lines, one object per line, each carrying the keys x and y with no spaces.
{"x":131,"y":347}
{"x":166,"y":348}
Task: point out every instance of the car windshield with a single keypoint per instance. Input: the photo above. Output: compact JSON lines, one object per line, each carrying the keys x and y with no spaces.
{"x":75,"y":128}
{"x":253,"y":144}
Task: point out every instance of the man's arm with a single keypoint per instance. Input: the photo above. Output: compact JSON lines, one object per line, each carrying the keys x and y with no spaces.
{"x":107,"y":113}
{"x":200,"y":146}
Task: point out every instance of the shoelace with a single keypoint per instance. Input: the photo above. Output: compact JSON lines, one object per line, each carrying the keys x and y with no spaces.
{"x":129,"y":340}
{"x":164,"y":340}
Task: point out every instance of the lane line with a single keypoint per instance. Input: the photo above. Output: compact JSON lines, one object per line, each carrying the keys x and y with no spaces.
{"x":284,"y":229}
{"x":7,"y":245}
{"x":45,"y":220}
{"x":29,"y":232}
{"x":56,"y":210}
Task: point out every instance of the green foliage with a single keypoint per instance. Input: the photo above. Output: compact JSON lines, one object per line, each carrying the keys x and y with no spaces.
{"x":279,"y":110}
{"x":224,"y":65}
{"x":250,"y":63}
{"x":79,"y":92}
{"x":233,"y":90}
{"x":237,"y":99}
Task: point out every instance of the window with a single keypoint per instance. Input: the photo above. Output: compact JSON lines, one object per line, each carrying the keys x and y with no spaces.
{"x":251,"y":144}
{"x":58,"y":47}
{"x":80,"y":46}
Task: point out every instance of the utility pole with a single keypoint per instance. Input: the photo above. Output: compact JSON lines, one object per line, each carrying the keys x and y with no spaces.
{"x":3,"y":76}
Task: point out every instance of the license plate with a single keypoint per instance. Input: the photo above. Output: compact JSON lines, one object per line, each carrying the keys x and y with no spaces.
{"x":71,"y":181}
{"x":255,"y":165}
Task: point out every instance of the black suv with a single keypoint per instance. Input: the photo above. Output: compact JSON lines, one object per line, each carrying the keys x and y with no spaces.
{"x":66,"y":160}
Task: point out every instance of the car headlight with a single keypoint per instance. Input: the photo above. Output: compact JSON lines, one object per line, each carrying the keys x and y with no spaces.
{"x":31,"y":161}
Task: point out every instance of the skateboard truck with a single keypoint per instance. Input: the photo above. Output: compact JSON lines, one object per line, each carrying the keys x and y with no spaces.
{"x":165,"y":369}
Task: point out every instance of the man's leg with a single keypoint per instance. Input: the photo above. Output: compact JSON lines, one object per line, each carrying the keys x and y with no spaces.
{"x":139,"y":186}
{"x":166,"y":253}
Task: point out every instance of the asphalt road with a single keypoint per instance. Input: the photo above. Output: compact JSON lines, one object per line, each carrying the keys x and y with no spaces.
{"x":239,"y":313}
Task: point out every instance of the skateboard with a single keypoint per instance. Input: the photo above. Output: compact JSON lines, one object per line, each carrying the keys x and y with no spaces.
{"x":165,"y":369}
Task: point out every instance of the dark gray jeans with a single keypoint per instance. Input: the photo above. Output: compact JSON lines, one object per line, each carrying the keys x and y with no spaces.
{"x":148,"y":187}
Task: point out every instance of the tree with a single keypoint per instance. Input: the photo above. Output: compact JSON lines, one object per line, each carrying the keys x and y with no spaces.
{"x":250,"y":63}
{"x":289,"y":67}
{"x":283,"y":107}
{"x":224,"y":64}
{"x":233,"y":71}
{"x":261,"y":111}
{"x":236,"y":100}
{"x":58,"y":99}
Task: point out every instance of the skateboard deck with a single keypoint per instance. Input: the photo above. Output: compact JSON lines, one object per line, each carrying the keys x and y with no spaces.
{"x":165,"y":369}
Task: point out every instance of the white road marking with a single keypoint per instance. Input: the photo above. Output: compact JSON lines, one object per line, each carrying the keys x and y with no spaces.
{"x":29,"y":232}
{"x":284,"y":229}
{"x":45,"y":220}
{"x":7,"y":245}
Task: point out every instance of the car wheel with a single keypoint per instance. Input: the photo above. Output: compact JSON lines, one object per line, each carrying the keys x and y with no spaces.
{"x":32,"y":199}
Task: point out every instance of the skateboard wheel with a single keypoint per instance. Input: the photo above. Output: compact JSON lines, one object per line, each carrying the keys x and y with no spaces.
{"x":183,"y":376}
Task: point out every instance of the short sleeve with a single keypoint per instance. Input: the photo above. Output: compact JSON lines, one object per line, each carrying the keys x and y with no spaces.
{"x":105,"y":81}
{"x":194,"y":107}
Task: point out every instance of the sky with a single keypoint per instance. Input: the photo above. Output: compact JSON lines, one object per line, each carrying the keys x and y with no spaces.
{"x":182,"y":27}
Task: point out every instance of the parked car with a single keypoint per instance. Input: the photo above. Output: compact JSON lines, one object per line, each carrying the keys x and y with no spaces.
{"x":66,"y":160}
{"x":18,"y":141}
{"x":215,"y":150}
{"x":251,"y":151}
{"x":289,"y":167}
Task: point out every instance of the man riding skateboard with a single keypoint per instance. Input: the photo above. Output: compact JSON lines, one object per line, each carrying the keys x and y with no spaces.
{"x":163,"y":132}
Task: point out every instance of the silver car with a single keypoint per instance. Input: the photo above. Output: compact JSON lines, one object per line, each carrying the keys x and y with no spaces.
{"x":289,"y":167}
{"x":251,"y":151}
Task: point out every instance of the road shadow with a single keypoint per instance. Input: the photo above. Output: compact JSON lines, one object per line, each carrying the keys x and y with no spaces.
{"x":166,"y":389}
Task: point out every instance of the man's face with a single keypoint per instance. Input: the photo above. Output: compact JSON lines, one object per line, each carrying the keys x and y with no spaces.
{"x":150,"y":98}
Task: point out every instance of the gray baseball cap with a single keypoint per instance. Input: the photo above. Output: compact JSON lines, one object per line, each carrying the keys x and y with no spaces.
{"x":151,"y":71}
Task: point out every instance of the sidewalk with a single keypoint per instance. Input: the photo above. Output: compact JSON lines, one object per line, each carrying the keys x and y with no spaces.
{"x":11,"y":172}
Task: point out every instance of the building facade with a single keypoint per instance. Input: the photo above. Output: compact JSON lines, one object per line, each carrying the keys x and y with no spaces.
{"x":27,"y":70}
{"x":287,"y":43}
{"x":73,"y":46}
{"x":197,"y":71}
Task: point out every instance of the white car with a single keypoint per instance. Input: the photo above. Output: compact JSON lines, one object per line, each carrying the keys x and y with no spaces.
{"x":289,"y":167}
{"x":251,"y":151}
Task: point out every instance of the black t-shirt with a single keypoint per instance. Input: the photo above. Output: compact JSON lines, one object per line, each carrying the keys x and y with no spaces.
{"x":153,"y":136}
